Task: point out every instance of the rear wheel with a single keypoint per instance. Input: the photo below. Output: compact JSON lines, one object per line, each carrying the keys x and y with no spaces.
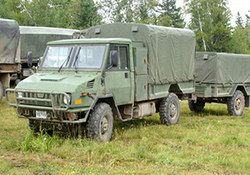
{"x":236,"y":104}
{"x":170,"y":110}
{"x":1,"y":91}
{"x":197,"y":107}
{"x":100,"y":123}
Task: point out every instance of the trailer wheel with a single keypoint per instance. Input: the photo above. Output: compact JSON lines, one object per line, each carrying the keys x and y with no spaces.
{"x":236,"y":104}
{"x":100,"y":123}
{"x":1,"y":91}
{"x":170,"y":110}
{"x":197,"y":107}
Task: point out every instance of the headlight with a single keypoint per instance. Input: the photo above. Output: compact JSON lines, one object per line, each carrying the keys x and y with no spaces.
{"x":66,"y":99}
{"x":20,"y":94}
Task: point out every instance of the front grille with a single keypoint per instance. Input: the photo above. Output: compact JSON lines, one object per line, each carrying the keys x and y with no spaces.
{"x":41,"y":100}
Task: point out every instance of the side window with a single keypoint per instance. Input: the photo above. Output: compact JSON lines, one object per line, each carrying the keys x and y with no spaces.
{"x":123,"y":59}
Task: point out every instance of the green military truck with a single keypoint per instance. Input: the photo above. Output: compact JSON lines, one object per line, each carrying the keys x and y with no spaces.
{"x":9,"y":52}
{"x":34,"y":40}
{"x":120,"y":71}
{"x":221,"y":78}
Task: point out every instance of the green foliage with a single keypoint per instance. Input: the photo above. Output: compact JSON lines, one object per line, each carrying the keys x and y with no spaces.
{"x":210,"y":21}
{"x":142,"y":11}
{"x":4,"y":11}
{"x":84,"y":14}
{"x":239,"y":20}
{"x":240,"y":40}
{"x":170,"y":14}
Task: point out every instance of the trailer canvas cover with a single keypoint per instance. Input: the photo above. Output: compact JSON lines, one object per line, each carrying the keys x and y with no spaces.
{"x":170,"y":51}
{"x":9,"y":41}
{"x":222,"y":68}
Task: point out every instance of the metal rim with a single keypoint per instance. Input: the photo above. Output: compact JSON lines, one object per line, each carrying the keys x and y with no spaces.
{"x":173,"y":110}
{"x":238,"y":104}
{"x":104,"y":125}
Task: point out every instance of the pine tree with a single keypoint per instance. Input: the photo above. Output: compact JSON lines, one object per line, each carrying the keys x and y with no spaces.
{"x":170,"y":14}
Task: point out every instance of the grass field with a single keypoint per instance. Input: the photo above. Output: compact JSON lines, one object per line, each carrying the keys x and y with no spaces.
{"x":207,"y":143}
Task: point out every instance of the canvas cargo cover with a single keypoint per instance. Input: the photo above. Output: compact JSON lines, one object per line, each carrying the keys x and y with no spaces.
{"x":9,"y":42}
{"x":34,"y":39}
{"x":171,"y":51}
{"x":222,"y":68}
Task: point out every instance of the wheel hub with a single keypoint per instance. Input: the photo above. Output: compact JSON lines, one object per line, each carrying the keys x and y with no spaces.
{"x":173,"y":110}
{"x":238,"y":105}
{"x":104,"y":125}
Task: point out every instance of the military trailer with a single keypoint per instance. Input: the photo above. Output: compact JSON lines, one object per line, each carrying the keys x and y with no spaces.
{"x":119,"y":71}
{"x":34,"y":40}
{"x":222,"y":78}
{"x":9,"y":52}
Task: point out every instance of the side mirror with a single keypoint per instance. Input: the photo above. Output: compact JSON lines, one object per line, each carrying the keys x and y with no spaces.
{"x":114,"y":58}
{"x":29,"y":56}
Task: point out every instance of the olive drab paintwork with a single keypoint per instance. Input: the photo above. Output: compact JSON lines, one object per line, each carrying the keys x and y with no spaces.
{"x":222,"y":78}
{"x":119,"y":71}
{"x":9,"y":52}
{"x":35,"y":39}
{"x":9,"y":42}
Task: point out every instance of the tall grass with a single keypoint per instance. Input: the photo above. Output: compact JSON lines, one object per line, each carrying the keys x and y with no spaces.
{"x":207,"y":143}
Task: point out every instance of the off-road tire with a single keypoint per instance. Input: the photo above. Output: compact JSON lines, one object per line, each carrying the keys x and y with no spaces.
{"x":33,"y":126}
{"x":197,"y":107}
{"x":170,"y":110}
{"x":236,"y":104}
{"x":1,"y":91}
{"x":100,"y":123}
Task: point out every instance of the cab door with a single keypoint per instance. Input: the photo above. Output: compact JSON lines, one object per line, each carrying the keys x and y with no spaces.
{"x":118,"y":79}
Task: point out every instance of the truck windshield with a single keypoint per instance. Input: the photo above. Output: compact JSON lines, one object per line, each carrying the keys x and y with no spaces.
{"x":56,"y":56}
{"x":80,"y":57}
{"x":89,"y":57}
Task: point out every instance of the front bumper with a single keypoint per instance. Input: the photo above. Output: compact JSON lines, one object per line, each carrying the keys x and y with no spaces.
{"x":51,"y":102}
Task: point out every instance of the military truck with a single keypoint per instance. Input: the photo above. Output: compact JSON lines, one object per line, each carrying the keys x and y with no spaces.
{"x":9,"y":52}
{"x":34,"y":40}
{"x":120,"y":71}
{"x":221,"y":78}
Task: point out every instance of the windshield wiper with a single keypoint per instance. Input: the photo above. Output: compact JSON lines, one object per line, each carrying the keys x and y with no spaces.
{"x":66,"y":60}
{"x":76,"y":59}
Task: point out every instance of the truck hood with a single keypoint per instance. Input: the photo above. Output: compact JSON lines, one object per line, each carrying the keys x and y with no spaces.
{"x":56,"y":81}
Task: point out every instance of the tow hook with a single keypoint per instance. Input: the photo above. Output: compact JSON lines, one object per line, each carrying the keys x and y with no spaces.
{"x":59,"y":127}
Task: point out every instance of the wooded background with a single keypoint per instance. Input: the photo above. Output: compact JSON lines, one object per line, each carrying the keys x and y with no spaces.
{"x":209,"y":19}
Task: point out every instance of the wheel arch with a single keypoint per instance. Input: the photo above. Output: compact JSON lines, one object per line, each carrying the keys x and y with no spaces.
{"x":109,"y":99}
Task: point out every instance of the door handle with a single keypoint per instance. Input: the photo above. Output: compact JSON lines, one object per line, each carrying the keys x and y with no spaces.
{"x":126,"y":75}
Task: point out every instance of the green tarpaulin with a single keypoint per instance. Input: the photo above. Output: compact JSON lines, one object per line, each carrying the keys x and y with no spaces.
{"x":170,"y":51}
{"x":34,"y":39}
{"x":222,"y":68}
{"x":9,"y":42}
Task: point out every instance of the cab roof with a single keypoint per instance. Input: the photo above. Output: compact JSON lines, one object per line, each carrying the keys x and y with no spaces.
{"x":91,"y":41}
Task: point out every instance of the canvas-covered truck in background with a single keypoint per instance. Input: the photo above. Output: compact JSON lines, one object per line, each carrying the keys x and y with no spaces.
{"x":34,"y":40}
{"x":9,"y":52}
{"x":119,"y":71}
{"x":222,"y":78}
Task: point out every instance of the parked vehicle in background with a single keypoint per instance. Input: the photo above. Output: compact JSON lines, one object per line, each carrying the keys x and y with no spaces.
{"x":120,"y":71}
{"x":80,"y":34}
{"x":222,"y":78}
{"x":9,"y":52}
{"x":34,"y":40}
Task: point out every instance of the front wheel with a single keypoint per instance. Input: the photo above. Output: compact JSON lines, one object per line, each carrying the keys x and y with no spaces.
{"x":170,"y":109}
{"x":236,"y":104}
{"x":100,"y":123}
